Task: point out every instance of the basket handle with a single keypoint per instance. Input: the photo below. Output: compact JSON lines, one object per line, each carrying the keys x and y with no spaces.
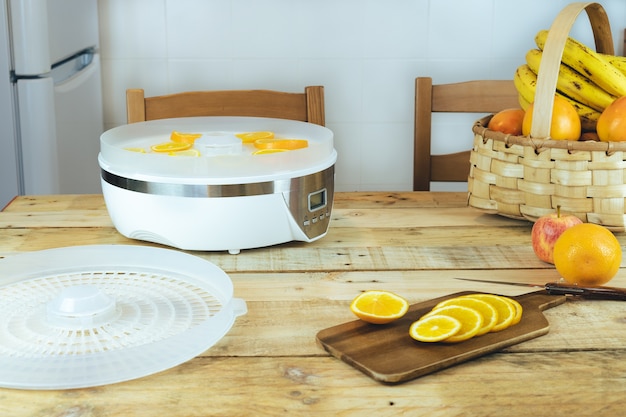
{"x":553,"y":52}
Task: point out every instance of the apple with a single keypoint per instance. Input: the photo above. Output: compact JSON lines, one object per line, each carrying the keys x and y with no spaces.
{"x":547,"y":230}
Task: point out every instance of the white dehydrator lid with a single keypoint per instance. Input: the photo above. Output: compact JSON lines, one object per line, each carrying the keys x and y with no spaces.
{"x":235,"y":165}
{"x":93,"y":315}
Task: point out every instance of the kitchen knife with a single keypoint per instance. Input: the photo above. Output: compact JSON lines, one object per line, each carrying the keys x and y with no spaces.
{"x":557,"y":288}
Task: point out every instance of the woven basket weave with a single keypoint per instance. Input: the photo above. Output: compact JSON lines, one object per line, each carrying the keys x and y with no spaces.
{"x":528,"y":177}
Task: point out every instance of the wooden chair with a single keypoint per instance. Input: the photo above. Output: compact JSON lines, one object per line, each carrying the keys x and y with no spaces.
{"x":487,"y":96}
{"x":307,"y":106}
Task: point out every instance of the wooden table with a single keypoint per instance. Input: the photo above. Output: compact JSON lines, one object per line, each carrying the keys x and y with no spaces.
{"x":269,"y":363}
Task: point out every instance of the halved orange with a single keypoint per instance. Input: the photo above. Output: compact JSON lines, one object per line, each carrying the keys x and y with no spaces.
{"x":379,"y":307}
{"x":170,"y":147}
{"x":290,"y":144}
{"x":248,"y":137}
{"x":179,"y":137}
{"x":434,"y":328}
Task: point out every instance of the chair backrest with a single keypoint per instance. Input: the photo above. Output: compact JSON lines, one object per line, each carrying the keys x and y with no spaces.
{"x":485,"y":96}
{"x":306,"y":107}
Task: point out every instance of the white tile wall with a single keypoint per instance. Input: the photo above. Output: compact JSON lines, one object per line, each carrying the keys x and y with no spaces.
{"x":366,"y":53}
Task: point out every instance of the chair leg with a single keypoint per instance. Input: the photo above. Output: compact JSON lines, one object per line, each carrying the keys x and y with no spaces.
{"x":422,"y":133}
{"x":135,"y":105}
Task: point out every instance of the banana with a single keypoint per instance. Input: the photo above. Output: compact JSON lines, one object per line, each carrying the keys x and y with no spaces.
{"x":525,"y":81}
{"x":522,"y":102}
{"x":618,"y":62}
{"x":573,"y":84}
{"x":590,"y":64}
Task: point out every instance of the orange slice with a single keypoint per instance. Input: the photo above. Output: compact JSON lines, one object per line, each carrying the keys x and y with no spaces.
{"x":489,"y":313}
{"x":184,"y":137}
{"x":170,"y":147}
{"x":434,"y":328}
{"x":470,"y":319}
{"x":518,"y":310}
{"x":249,"y":137}
{"x":133,"y":149}
{"x":186,"y":152}
{"x":506,"y":310}
{"x":290,"y":144}
{"x":266,"y":151}
{"x":379,"y":307}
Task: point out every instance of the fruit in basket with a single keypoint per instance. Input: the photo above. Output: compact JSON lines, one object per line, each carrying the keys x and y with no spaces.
{"x":611,"y":125}
{"x":525,"y":81}
{"x":379,"y":307}
{"x":573,"y":84}
{"x":587,"y":254}
{"x":507,"y":121}
{"x":547,"y":230}
{"x":565,"y":123}
{"x":588,"y":80}
{"x":585,"y":60}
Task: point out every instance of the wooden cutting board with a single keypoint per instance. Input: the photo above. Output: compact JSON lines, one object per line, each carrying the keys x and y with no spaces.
{"x":389,"y":355}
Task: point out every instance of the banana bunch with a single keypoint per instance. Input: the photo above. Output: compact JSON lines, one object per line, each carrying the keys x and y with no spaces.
{"x":590,"y":81}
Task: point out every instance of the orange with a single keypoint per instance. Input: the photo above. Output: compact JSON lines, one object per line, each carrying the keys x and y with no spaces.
{"x":611,"y":126}
{"x":435,"y":328}
{"x":489,"y":313}
{"x":379,"y":307}
{"x":170,"y":147}
{"x":506,"y":311}
{"x":248,"y":137}
{"x":470,"y":319}
{"x":565,"y":123}
{"x":289,"y":144}
{"x":507,"y":121}
{"x":184,"y":137}
{"x":587,"y":254}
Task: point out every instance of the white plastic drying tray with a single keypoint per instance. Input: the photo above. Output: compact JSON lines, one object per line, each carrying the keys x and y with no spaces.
{"x":93,"y":315}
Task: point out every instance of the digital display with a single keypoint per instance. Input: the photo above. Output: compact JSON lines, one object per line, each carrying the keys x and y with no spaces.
{"x":317,"y":200}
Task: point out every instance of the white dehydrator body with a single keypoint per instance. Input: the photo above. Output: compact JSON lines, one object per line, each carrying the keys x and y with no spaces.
{"x":228,"y":201}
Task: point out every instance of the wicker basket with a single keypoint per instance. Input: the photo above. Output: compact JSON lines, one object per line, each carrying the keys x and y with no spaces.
{"x":527,"y":177}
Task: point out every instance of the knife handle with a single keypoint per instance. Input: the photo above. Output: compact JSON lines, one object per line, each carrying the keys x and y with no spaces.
{"x":598,"y":292}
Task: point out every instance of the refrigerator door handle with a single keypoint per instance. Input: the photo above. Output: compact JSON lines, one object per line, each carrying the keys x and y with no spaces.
{"x":67,"y":68}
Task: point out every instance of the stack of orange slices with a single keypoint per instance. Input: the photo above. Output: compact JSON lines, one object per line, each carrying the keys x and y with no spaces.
{"x":453,"y":320}
{"x":463,"y":317}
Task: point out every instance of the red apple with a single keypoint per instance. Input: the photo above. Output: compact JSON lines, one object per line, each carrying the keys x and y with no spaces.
{"x":547,"y":230}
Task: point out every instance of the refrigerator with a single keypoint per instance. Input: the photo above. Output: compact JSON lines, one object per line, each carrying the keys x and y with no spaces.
{"x":51,"y":113}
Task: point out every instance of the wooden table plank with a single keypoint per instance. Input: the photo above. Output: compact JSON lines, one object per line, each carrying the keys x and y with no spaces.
{"x":509,"y":386}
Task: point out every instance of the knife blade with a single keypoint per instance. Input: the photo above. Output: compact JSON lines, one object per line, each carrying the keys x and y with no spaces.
{"x":558,"y":288}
